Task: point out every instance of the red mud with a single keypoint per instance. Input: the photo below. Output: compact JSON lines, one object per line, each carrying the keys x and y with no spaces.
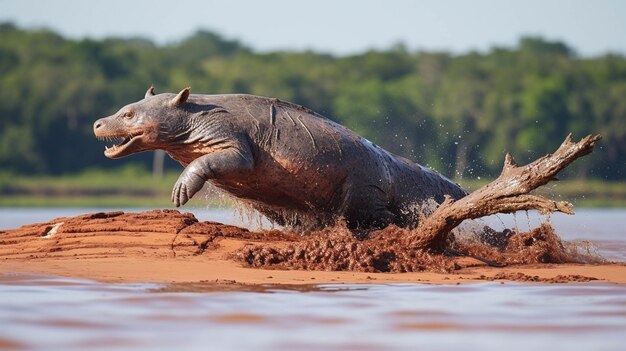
{"x":336,"y":249}
{"x":172,"y":246}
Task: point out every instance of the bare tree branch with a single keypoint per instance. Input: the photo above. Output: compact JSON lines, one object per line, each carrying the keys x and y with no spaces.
{"x":508,"y":193}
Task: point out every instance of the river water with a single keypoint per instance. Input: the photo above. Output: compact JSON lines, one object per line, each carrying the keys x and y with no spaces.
{"x":52,"y":313}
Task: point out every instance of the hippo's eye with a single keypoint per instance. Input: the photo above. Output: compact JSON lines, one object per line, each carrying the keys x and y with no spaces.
{"x":128,"y":114}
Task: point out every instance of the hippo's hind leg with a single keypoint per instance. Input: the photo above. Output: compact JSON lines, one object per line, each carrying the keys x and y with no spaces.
{"x":367,"y":207}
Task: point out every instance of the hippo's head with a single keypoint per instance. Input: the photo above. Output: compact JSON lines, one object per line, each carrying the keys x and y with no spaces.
{"x":147,"y":124}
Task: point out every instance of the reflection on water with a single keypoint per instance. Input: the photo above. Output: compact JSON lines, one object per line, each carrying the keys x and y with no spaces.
{"x":38,"y":312}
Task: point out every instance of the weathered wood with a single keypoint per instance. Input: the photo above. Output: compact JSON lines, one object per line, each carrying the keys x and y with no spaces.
{"x":507,"y":194}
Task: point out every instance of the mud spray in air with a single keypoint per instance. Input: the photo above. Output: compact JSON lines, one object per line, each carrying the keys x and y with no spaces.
{"x":338,"y":249}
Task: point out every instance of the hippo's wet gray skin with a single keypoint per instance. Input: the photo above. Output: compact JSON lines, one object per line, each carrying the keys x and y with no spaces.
{"x":291,"y":164}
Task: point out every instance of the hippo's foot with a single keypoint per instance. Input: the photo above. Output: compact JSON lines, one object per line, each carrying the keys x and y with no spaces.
{"x":187,"y":185}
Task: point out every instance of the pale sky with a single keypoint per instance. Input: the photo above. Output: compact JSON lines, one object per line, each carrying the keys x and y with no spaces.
{"x":591,"y":27}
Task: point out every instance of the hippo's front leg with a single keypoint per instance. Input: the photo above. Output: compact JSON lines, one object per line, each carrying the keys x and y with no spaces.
{"x":218,"y":164}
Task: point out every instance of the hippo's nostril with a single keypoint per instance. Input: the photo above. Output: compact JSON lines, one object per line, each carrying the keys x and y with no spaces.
{"x":97,"y":125}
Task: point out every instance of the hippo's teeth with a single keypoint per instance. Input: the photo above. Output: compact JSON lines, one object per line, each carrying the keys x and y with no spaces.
{"x":119,"y":142}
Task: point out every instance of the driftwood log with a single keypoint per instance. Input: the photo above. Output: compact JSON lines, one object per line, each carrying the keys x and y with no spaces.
{"x":507,"y":194}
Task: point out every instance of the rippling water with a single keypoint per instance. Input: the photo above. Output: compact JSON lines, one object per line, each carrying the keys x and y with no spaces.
{"x":50,"y":313}
{"x":60,"y":314}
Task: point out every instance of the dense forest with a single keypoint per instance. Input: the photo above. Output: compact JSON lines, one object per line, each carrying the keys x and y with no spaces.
{"x":456,"y":113}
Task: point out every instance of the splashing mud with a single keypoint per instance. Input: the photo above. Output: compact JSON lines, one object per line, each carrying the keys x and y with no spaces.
{"x":337,"y":249}
{"x":539,"y":245}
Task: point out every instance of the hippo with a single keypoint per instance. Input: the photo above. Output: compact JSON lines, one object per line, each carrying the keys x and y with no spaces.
{"x":298,"y":168}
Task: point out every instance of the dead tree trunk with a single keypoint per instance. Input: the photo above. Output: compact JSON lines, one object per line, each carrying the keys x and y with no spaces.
{"x":507,"y":194}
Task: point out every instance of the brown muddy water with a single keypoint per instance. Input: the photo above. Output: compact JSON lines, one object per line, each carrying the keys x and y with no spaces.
{"x":51,"y":313}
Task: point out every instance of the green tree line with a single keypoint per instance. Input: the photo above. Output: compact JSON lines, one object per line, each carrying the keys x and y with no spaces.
{"x":457,"y":113}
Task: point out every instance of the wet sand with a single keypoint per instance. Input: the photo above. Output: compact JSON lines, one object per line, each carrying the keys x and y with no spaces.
{"x":172,"y":247}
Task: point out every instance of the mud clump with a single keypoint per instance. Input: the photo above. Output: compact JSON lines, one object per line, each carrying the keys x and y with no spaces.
{"x":337,"y":249}
{"x":539,"y":245}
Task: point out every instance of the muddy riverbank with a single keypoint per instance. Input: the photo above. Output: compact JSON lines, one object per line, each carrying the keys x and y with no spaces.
{"x":169,"y":246}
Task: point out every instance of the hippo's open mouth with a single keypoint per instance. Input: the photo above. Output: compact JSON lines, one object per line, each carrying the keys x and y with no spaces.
{"x":125,"y":144}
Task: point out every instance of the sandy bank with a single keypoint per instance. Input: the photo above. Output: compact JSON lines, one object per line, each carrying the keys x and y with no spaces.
{"x":168,"y":246}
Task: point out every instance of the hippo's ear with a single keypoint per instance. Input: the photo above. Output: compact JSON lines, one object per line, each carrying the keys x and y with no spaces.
{"x":150,"y":92}
{"x":181,"y":97}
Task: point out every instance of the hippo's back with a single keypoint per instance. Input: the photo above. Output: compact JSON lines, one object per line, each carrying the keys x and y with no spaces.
{"x":308,"y":154}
